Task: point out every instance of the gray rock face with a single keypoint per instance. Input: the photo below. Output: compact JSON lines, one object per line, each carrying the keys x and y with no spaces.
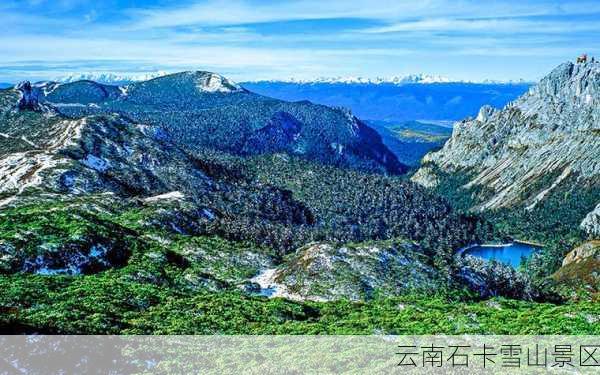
{"x":520,"y":154}
{"x":591,"y":223}
{"x":96,"y":155}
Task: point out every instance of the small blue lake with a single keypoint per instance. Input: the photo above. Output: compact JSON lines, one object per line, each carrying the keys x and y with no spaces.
{"x":510,"y":254}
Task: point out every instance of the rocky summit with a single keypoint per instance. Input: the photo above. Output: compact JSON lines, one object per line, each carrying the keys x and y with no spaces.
{"x":543,"y":146}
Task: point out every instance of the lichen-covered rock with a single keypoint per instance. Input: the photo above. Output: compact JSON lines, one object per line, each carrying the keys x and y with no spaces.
{"x":581,"y":267}
{"x":580,"y":253}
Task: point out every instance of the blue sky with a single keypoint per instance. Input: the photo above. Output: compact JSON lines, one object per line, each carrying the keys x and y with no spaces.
{"x":251,"y":39}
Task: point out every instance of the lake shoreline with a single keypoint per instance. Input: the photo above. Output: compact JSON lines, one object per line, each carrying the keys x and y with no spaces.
{"x":501,"y":252}
{"x":508,"y":244}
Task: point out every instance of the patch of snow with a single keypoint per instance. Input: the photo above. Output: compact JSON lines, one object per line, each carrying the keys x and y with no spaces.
{"x":588,"y":99}
{"x":272,"y":289}
{"x":266,"y":280}
{"x":5,"y":201}
{"x":47,"y":87}
{"x":24,"y":139}
{"x":96,"y":163}
{"x":22,"y":169}
{"x":39,"y":264}
{"x":339,"y":148}
{"x":208,"y":213}
{"x":173,"y":195}
{"x":176,"y":228}
{"x":4,"y":135}
{"x":159,"y":239}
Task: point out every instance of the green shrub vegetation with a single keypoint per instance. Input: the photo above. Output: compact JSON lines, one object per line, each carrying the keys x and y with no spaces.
{"x":112,"y":302}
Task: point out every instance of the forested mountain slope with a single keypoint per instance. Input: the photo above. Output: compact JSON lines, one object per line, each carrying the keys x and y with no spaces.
{"x":205,"y":110}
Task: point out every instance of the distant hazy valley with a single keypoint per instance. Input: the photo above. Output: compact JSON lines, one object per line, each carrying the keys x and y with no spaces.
{"x":403,"y":111}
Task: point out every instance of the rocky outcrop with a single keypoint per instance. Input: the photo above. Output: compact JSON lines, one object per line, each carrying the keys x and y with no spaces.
{"x":324,"y":271}
{"x":524,"y":153}
{"x":211,"y":82}
{"x":581,"y":267}
{"x":29,"y":97}
{"x":587,"y":250}
{"x":591,"y":223}
{"x":99,"y":154}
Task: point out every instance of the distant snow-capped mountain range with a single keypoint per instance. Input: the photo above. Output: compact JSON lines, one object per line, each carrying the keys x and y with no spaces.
{"x":123,"y":78}
{"x":412,"y":78}
{"x":397,"y":80}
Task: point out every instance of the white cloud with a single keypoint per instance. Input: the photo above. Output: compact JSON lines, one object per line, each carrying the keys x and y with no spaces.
{"x":487,"y":25}
{"x":217,"y":35}
{"x":235,"y":12}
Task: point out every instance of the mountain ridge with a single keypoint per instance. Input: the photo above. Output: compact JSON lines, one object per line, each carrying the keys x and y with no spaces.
{"x":206,"y":109}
